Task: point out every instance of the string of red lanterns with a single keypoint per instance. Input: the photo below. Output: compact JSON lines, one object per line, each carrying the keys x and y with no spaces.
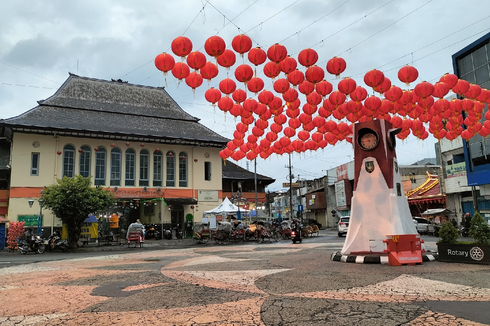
{"x":421,"y":110}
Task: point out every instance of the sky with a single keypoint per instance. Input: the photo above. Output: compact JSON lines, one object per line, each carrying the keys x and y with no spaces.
{"x":42,"y":41}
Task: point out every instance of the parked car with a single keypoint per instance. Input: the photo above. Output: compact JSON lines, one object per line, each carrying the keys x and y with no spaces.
{"x":309,"y":221}
{"x":423,"y":225}
{"x":343,"y":225}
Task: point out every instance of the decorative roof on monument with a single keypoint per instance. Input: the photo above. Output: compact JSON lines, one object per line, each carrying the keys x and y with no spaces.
{"x":88,"y":107}
{"x":427,"y":191}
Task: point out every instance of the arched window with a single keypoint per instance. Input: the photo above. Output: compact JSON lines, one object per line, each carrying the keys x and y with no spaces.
{"x":144,"y":167}
{"x":115,"y":167}
{"x":84,"y":164}
{"x":100,"y":166}
{"x":157,"y":169}
{"x":130,"y":167}
{"x":170,"y":169}
{"x":69,"y":161}
{"x":182,"y":169}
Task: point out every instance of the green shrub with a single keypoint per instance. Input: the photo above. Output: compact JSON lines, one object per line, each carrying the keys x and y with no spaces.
{"x":448,"y":233}
{"x":479,"y":229}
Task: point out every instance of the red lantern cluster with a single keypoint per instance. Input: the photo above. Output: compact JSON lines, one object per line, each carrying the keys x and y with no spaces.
{"x":277,"y":122}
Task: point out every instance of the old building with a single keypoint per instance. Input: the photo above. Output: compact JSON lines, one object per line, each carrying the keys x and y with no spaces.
{"x":159,"y":161}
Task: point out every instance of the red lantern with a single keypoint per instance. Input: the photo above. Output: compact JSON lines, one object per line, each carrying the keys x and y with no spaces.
{"x":280,"y":119}
{"x":288,"y":65}
{"x":309,"y":109}
{"x":262,"y":124}
{"x":227,"y":86}
{"x":209,"y":71}
{"x":142,"y":144}
{"x":306,"y":87}
{"x":314,"y":74}
{"x":336,"y":66}
{"x":181,"y":46}
{"x":80,"y":151}
{"x":59,"y":152}
{"x":241,"y":127}
{"x":257,"y":56}
{"x":296,"y":77}
{"x":194,"y":80}
{"x":294,"y":123}
{"x":277,"y":53}
{"x":127,"y":144}
{"x":408,"y":74}
{"x":440,"y":89}
{"x":113,"y":145}
{"x":281,"y":85}
{"x":244,"y":73}
{"x":323,"y":88}
{"x":461,"y":87}
{"x":164,"y":62}
{"x":473,"y":92}
{"x":239,"y":95}
{"x":265,"y":97}
{"x":347,"y":85}
{"x":372,"y":103}
{"x":336,"y":98}
{"x":276,"y":128}
{"x":95,"y":149}
{"x":255,"y":85}
{"x":180,"y":70}
{"x":424,"y":89}
{"x":196,"y":60}
{"x":374,"y":78}
{"x":289,"y":132}
{"x":394,"y":93}
{"x":250,"y":105}
{"x":236,"y":110}
{"x":227,"y":59}
{"x":214,"y":46}
{"x":314,"y":98}
{"x":271,"y":70}
{"x":212,"y":95}
{"x":308,"y":57}
{"x":385,"y":85}
{"x":450,"y":79}
{"x":275,"y":105}
{"x":358,"y":94}
{"x":225,"y":104}
{"x":290,"y":95}
{"x":241,"y":43}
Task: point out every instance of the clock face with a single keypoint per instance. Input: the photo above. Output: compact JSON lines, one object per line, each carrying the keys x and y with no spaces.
{"x":368,"y":141}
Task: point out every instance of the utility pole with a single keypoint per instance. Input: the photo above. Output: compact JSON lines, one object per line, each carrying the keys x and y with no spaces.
{"x":290,"y":189}
{"x":255,"y":176}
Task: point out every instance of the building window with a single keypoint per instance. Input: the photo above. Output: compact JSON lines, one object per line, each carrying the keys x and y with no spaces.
{"x":144,"y":168}
{"x":182,"y":169}
{"x":130,"y":167}
{"x":85,"y":161}
{"x":207,"y":171}
{"x":157,"y":169}
{"x":170,"y":169}
{"x":35,"y":163}
{"x":115,"y":167}
{"x":68,"y":161}
{"x":100,"y":166}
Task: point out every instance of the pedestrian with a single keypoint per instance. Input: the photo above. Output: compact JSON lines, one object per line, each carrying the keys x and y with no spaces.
{"x":453,"y":222}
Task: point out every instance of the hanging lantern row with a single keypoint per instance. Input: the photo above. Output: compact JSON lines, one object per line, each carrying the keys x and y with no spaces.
{"x":277,"y":122}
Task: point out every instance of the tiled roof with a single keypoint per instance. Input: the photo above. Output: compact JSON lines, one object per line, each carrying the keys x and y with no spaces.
{"x":235,"y":172}
{"x":99,"y":108}
{"x":429,"y":189}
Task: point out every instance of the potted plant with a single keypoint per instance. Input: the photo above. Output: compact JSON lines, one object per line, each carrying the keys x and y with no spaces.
{"x":477,"y":251}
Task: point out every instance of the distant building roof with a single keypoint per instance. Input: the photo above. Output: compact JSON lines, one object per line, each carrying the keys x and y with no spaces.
{"x":94,"y":108}
{"x":232,"y":171}
{"x":426,"y":161}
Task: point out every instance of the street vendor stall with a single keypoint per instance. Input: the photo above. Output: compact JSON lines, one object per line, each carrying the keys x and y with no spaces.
{"x":227,"y":208}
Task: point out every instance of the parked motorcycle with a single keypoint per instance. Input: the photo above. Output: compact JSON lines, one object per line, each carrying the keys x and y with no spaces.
{"x":464,"y":231}
{"x":55,"y":242}
{"x":178,"y":232}
{"x":167,"y":234}
{"x":36,"y":245}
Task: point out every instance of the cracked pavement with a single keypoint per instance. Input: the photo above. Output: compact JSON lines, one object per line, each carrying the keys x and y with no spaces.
{"x":269,"y":284}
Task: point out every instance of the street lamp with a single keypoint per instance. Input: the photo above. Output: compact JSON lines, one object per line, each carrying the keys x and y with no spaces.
{"x":40,"y":216}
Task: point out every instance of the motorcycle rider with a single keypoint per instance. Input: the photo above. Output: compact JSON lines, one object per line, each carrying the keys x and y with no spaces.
{"x":30,"y":237}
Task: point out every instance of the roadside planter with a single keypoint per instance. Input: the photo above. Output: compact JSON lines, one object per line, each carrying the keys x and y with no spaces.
{"x":464,"y":253}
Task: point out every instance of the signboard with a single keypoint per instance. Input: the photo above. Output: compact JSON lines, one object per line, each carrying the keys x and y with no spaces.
{"x":456,"y":170}
{"x":207,"y":195}
{"x":300,"y":208}
{"x":293,"y":184}
{"x":340,"y":197}
{"x":30,"y":220}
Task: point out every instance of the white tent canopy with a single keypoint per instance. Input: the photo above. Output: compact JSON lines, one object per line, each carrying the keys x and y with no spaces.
{"x":226,"y":207}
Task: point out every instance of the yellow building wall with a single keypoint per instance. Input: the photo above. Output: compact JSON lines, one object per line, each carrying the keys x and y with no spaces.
{"x":25,"y":187}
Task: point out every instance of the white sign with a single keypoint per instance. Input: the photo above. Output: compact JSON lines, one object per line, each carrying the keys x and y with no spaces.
{"x":340,"y":194}
{"x":207,"y":195}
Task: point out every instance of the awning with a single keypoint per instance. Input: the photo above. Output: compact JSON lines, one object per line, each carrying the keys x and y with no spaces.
{"x":180,"y":201}
{"x":436,"y":211}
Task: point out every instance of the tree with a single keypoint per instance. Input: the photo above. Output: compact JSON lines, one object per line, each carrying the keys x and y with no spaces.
{"x":479,"y":229}
{"x":72,"y":200}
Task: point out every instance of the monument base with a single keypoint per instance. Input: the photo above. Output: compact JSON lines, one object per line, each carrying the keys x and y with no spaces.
{"x":375,"y":258}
